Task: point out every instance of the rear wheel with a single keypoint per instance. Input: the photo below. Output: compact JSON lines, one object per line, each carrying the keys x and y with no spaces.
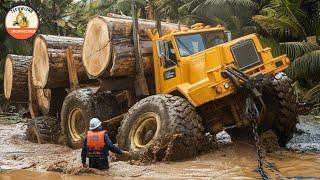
{"x":43,"y":129}
{"x":282,"y":109}
{"x":76,"y":112}
{"x":166,"y":122}
{"x":82,"y":105}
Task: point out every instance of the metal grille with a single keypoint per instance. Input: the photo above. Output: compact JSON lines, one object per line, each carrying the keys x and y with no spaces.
{"x":245,"y":54}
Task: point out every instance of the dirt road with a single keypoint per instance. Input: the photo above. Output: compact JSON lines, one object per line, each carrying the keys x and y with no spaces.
{"x":236,"y":160}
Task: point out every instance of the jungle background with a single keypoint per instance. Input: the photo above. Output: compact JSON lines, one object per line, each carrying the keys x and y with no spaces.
{"x":289,"y":27}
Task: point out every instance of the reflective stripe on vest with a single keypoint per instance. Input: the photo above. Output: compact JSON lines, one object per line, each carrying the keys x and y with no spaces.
{"x":95,"y":140}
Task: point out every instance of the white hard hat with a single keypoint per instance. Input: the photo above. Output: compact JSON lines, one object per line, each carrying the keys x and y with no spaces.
{"x":94,"y":123}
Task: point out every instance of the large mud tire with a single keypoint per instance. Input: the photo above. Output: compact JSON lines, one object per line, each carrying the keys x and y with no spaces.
{"x":43,"y":129}
{"x":76,"y":112}
{"x":174,"y":116}
{"x":282,"y":109}
{"x":79,"y":107}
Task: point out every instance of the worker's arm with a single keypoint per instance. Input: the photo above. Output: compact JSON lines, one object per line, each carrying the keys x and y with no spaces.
{"x":111,"y":146}
{"x":84,"y":151}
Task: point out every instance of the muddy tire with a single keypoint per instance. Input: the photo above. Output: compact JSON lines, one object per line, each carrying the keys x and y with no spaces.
{"x":79,"y":107}
{"x":76,"y":112}
{"x":106,"y":107}
{"x":282,"y":109}
{"x":159,"y":117}
{"x":43,"y":129}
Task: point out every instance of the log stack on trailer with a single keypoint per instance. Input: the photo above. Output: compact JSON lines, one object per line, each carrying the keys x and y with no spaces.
{"x":108,"y":55}
{"x":49,"y":64}
{"x":62,"y":65}
{"x":108,"y":49}
{"x":50,"y":70}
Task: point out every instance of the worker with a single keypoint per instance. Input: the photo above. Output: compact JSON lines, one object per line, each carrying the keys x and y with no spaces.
{"x":96,"y":147}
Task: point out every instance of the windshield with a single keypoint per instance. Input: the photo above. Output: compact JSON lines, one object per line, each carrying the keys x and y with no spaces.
{"x":194,"y":43}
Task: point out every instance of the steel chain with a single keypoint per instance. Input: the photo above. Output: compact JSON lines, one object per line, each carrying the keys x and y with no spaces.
{"x":252,"y":114}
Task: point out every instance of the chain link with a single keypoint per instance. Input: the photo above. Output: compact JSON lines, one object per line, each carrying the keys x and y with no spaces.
{"x":252,"y":114}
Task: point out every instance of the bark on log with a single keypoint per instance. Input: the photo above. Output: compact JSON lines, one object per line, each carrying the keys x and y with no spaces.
{"x":108,"y":47}
{"x":16,"y":78}
{"x":49,"y":65}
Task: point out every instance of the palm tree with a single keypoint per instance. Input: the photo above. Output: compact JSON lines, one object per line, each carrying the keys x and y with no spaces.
{"x":293,"y":27}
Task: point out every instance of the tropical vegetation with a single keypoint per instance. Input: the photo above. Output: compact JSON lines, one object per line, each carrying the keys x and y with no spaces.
{"x":288,"y":26}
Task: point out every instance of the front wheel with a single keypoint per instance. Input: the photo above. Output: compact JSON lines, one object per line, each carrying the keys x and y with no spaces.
{"x":282,"y":109}
{"x":164,"y":122}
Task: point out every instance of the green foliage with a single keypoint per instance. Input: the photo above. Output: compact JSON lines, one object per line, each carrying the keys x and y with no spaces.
{"x":283,"y":25}
{"x":305,"y":66}
{"x":297,"y":49}
{"x":281,"y":19}
{"x":313,"y":95}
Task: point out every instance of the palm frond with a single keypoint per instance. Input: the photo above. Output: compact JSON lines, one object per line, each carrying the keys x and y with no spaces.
{"x":312,"y":95}
{"x":297,"y":49}
{"x":246,"y":3}
{"x":282,"y":18}
{"x":305,"y":66}
{"x":278,"y":26}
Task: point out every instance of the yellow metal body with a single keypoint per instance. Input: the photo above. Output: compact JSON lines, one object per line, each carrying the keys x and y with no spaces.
{"x":198,"y":76}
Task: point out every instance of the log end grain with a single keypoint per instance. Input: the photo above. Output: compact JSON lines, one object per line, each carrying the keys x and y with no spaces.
{"x":96,"y":52}
{"x":8,"y":78}
{"x":40,"y":63}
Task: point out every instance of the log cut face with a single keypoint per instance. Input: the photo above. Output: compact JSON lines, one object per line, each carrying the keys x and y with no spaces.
{"x":49,"y":65}
{"x":96,"y":50}
{"x":108,"y":46}
{"x":16,"y":78}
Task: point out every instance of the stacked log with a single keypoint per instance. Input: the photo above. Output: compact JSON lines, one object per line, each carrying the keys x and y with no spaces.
{"x":16,"y":78}
{"x":49,"y":64}
{"x":108,"y":46}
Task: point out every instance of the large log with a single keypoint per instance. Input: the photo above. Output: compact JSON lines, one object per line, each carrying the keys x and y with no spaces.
{"x":16,"y":78}
{"x":49,"y":65}
{"x":108,"y":47}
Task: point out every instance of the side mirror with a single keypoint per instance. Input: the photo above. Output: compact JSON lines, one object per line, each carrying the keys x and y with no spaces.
{"x":228,"y":35}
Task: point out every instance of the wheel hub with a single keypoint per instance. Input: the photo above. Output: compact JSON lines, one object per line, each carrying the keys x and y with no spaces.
{"x":76,"y":124}
{"x":146,"y":130}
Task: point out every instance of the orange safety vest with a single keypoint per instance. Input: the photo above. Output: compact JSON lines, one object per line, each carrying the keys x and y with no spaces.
{"x":95,"y":140}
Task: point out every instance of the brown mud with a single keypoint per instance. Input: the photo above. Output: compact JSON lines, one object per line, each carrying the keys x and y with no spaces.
{"x":231,"y":161}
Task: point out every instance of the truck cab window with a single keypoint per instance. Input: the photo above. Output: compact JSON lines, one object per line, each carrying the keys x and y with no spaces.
{"x":167,"y":54}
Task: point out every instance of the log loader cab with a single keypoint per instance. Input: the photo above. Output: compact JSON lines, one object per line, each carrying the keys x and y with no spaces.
{"x":192,"y":61}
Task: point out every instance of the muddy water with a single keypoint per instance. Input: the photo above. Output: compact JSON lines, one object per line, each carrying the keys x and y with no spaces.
{"x":233,"y":161}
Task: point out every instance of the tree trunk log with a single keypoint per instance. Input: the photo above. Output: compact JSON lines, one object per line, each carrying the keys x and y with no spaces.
{"x":16,"y":78}
{"x":49,"y":65}
{"x":108,"y":47}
